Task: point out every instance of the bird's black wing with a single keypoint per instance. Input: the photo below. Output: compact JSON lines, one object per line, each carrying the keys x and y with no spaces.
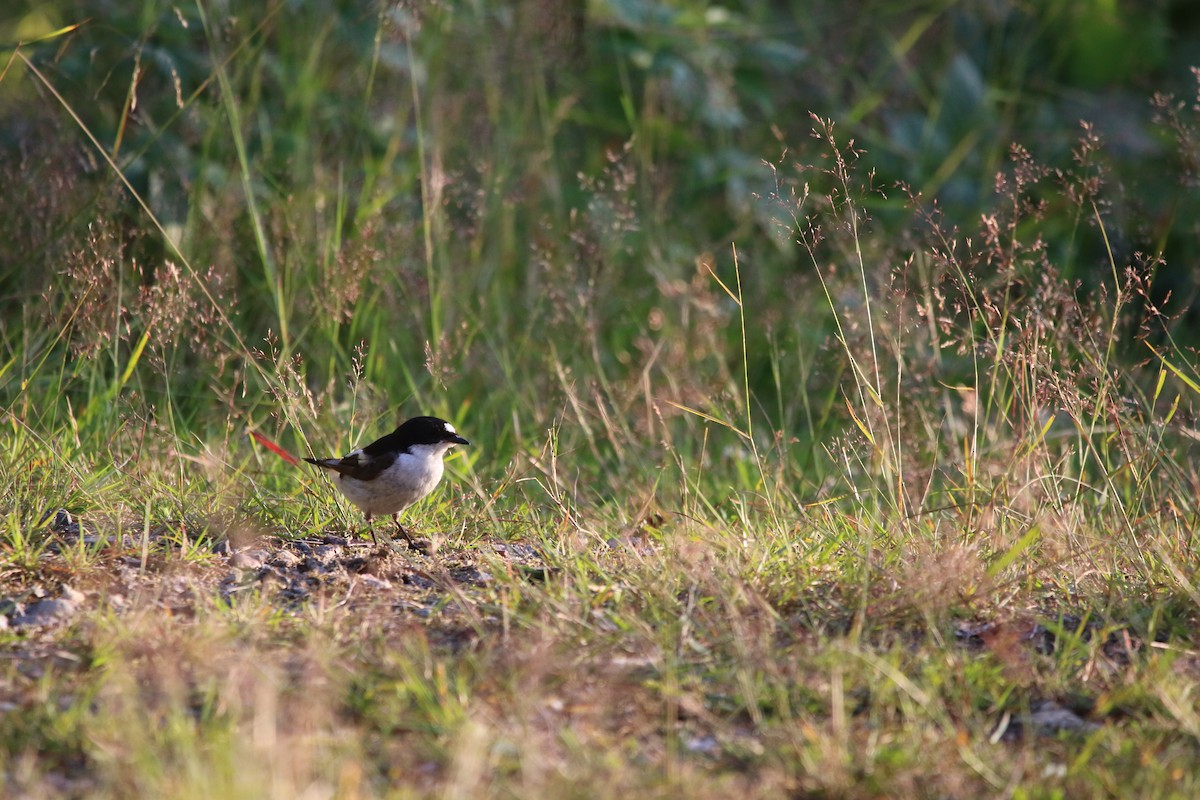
{"x":360,"y":465}
{"x":387,"y":446}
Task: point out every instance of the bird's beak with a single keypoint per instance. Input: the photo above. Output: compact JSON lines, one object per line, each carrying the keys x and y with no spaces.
{"x":458,"y":439}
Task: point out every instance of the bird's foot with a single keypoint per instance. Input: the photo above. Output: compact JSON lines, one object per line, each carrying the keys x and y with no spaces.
{"x":423,"y":546}
{"x":401,"y":546}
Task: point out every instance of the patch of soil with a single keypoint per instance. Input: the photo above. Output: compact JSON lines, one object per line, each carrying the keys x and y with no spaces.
{"x":121,"y":573}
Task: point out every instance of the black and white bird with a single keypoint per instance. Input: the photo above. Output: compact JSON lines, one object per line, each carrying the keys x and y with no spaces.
{"x":390,"y":474}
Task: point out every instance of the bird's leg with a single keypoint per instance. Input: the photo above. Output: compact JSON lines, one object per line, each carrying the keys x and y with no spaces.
{"x":403,"y":532}
{"x":371,"y":530}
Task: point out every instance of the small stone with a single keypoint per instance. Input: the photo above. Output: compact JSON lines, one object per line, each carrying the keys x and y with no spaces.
{"x":311,"y":564}
{"x":705,"y":745}
{"x":285,"y":559}
{"x":471,"y":574}
{"x":1046,"y":719}
{"x":295,"y":592}
{"x":325,"y":553}
{"x":247,"y":559}
{"x":45,"y":612}
{"x":372,"y":582}
{"x":515,"y":550}
{"x":1052,"y":719}
{"x":270,"y":576}
{"x":418,"y":580}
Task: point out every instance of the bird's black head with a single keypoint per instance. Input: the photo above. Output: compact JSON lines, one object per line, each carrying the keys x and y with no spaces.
{"x":428,"y":430}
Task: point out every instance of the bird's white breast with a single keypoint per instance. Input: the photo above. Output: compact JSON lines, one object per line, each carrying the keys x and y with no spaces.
{"x":409,"y":478}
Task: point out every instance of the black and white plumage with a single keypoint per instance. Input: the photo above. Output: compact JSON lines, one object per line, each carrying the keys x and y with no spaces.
{"x":392,"y":473}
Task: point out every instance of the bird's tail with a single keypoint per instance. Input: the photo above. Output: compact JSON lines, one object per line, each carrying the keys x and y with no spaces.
{"x":276,"y":449}
{"x":327,"y":463}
